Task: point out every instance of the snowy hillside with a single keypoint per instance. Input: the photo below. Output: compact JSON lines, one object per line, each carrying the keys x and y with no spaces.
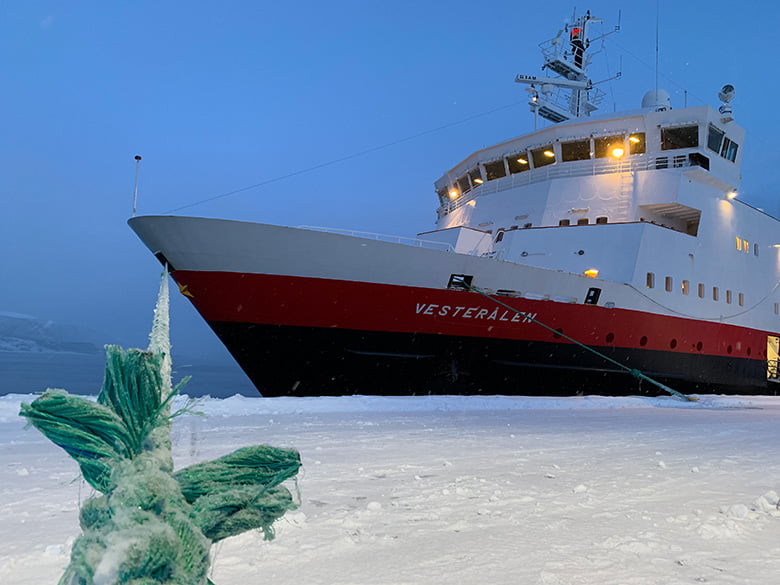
{"x":23,"y":333}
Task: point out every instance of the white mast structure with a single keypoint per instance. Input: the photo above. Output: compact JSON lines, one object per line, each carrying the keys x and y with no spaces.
{"x":571,"y":93}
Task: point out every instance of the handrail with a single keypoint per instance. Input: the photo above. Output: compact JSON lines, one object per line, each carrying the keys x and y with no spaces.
{"x":417,"y":242}
{"x":600,"y":166}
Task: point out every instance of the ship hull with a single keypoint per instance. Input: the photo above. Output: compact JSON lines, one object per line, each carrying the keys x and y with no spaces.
{"x":335,"y":315}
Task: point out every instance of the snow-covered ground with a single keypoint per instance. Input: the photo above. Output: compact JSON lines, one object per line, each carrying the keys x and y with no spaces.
{"x":466,"y":490}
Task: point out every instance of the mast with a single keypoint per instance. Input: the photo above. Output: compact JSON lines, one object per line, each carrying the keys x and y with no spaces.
{"x":570,"y":93}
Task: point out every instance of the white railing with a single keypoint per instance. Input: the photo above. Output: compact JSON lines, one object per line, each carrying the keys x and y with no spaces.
{"x":599,"y":166}
{"x":416,"y":242}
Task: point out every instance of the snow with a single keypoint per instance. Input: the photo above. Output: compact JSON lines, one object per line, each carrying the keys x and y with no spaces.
{"x":467,"y":490}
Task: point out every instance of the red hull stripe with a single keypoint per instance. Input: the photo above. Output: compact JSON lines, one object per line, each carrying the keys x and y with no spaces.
{"x":314,"y":302}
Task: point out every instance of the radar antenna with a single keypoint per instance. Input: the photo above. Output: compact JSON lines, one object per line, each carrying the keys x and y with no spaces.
{"x":571,"y":93}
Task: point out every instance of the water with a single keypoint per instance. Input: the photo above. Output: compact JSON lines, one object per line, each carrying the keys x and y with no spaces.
{"x":24,"y":373}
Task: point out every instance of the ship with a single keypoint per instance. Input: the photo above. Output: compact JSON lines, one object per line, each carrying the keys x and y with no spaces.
{"x":601,"y":254}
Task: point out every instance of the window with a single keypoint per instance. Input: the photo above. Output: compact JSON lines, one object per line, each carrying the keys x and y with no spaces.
{"x":777,"y":308}
{"x":668,"y":284}
{"x":650,"y":280}
{"x":741,"y":299}
{"x":686,"y":287}
{"x":739,"y":243}
{"x":579,"y":150}
{"x":499,"y":236}
{"x":518,"y":162}
{"x":601,"y":219}
{"x":679,"y":137}
{"x":609,"y":146}
{"x":745,"y":246}
{"x":729,"y":150}
{"x":636,"y":143}
{"x":728,"y":297}
{"x":564,"y":222}
{"x":715,"y":139}
{"x":495,"y":170}
{"x":527,"y":225}
{"x":443,"y":194}
{"x":476,"y":177}
{"x":582,"y":221}
{"x":701,"y":290}
{"x":715,"y":293}
{"x":543,"y":156}
{"x":463,"y":184}
{"x":755,"y":249}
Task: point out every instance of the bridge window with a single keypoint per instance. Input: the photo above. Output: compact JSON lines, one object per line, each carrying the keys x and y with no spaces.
{"x":543,"y":156}
{"x":607,"y":146}
{"x":476,"y":177}
{"x":679,"y":137}
{"x":636,"y":143}
{"x":518,"y":162}
{"x":729,"y":150}
{"x":715,"y":139}
{"x":579,"y":150}
{"x":495,"y":169}
{"x":463,"y":184}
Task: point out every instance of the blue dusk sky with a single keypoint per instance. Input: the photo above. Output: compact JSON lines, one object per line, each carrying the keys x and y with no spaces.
{"x":220,"y":96}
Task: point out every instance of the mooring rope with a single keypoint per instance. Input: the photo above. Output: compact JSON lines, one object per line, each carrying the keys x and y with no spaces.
{"x":633,"y":371}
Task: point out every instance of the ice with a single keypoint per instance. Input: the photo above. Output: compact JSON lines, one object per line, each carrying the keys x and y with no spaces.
{"x":467,"y":490}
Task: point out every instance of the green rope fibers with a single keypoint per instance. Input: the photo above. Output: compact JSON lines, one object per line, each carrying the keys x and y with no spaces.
{"x":151,"y":526}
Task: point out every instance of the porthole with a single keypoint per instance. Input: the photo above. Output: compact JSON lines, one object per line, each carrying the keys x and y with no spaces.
{"x":699,"y":345}
{"x":610,"y":337}
{"x":643,"y":341}
{"x":729,"y":349}
{"x":749,"y":351}
{"x":673,"y":343}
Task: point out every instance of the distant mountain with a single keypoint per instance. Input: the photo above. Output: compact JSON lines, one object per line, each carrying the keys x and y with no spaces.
{"x":27,"y":334}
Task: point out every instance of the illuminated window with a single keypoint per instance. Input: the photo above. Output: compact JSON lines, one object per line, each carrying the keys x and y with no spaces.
{"x":636,"y":143}
{"x":741,"y":299}
{"x":543,"y":156}
{"x":476,"y":177}
{"x":579,"y":150}
{"x":650,"y":280}
{"x":495,"y":170}
{"x":668,"y":284}
{"x":715,"y":293}
{"x":603,"y":146}
{"x":463,"y":184}
{"x":679,"y":137}
{"x":745,"y":246}
{"x":728,"y":297}
{"x":518,"y":163}
{"x":739,"y":243}
{"x":701,"y":290}
{"x":686,"y":287}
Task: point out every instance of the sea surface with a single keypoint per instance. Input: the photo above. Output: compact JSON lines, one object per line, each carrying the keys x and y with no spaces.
{"x":26,"y":372}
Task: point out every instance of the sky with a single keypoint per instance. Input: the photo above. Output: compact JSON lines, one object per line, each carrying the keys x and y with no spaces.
{"x":219,"y":97}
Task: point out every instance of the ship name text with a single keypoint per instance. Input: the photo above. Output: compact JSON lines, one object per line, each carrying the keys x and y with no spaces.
{"x":474,"y":313}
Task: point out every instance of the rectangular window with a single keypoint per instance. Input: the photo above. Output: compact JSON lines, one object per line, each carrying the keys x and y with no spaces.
{"x":729,"y":150}
{"x":579,"y":150}
{"x":650,"y":280}
{"x":636,"y":143}
{"x":518,"y":163}
{"x":564,"y":222}
{"x":686,"y":287}
{"x":755,"y":249}
{"x":475,"y":175}
{"x":701,"y":290}
{"x":608,"y":146}
{"x":741,"y":299}
{"x":668,"y":284}
{"x":739,"y":243}
{"x":543,"y":156}
{"x":679,"y":137}
{"x":495,"y":169}
{"x":582,"y":221}
{"x":715,"y":293}
{"x":745,"y":246}
{"x":777,"y":308}
{"x":728,"y":297}
{"x":463,"y":184}
{"x":601,"y":219}
{"x":715,"y":139}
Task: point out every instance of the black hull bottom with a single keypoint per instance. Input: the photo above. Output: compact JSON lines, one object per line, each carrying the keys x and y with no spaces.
{"x":300,"y":361}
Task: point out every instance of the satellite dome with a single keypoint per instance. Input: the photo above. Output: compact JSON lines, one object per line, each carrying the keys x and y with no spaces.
{"x":657,"y":99}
